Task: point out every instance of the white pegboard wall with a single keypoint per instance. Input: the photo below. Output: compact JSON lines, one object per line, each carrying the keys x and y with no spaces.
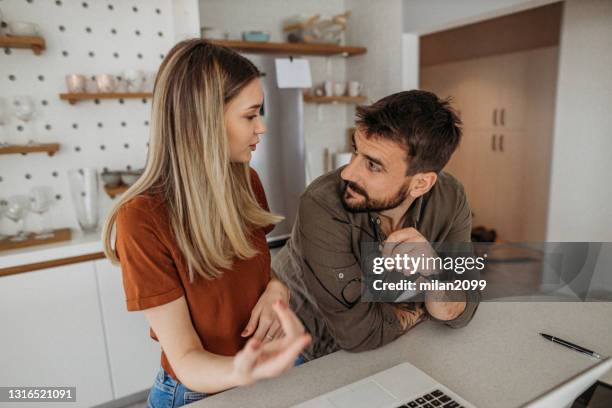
{"x":87,"y":37}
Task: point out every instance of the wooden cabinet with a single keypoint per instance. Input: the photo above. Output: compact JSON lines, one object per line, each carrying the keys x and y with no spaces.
{"x":506,"y":104}
{"x":512,"y":96}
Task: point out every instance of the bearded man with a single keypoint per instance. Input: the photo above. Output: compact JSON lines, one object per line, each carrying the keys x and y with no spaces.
{"x":392,"y":191}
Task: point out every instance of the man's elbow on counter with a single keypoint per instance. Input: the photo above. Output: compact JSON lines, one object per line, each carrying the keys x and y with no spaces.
{"x":466,"y":316}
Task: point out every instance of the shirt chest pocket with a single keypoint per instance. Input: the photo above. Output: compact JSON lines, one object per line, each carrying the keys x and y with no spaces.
{"x":348,"y":283}
{"x":333,"y":273}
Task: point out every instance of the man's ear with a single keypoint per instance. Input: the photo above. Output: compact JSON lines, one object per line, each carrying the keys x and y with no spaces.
{"x":421,"y":183}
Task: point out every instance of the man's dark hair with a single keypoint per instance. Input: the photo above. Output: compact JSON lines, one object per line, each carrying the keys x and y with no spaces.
{"x":425,"y":125}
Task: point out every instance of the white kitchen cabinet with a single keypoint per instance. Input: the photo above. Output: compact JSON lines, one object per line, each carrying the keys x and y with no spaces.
{"x":133,"y":356}
{"x":69,"y":326}
{"x":52,"y":333}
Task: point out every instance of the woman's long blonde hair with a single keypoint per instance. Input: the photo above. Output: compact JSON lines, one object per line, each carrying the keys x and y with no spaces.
{"x":210,"y":202}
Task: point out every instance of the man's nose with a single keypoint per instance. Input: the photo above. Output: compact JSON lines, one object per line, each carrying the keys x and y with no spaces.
{"x":348,"y":172}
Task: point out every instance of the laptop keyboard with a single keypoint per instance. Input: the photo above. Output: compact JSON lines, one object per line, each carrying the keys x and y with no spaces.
{"x":434,"y":399}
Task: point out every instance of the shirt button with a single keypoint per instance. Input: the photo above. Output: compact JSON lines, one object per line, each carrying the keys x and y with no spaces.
{"x":341,"y":275}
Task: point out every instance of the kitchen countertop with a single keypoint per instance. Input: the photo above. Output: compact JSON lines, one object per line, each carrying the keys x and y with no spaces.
{"x":81,"y":245}
{"x":498,"y":360}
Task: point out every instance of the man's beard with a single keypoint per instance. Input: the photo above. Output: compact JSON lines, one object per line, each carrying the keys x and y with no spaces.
{"x":372,"y":205}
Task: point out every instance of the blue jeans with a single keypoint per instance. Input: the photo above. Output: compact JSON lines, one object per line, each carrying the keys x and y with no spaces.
{"x":169,"y":393}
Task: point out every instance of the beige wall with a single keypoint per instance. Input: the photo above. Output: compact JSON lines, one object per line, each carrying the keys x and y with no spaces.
{"x":580,"y":206}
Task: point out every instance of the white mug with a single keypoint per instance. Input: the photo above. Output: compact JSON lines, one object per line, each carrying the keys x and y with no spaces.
{"x":340,"y":88}
{"x":23,"y":28}
{"x":354,"y":88}
{"x":328,"y":87}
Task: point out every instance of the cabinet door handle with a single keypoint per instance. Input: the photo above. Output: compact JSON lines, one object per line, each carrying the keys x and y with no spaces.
{"x":495,"y":117}
{"x":501,"y":143}
{"x":502,"y":120}
{"x":493,"y":137}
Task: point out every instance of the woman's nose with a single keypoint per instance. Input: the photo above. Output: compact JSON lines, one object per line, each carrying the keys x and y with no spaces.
{"x":261,"y":127}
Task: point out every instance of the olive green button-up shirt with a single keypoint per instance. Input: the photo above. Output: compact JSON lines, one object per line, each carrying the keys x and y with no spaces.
{"x":321,"y":262}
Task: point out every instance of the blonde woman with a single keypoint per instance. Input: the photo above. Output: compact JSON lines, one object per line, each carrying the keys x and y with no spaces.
{"x":190,"y":233}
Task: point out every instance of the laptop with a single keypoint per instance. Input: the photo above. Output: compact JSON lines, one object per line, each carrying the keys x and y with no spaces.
{"x":405,"y":386}
{"x":564,"y":394}
{"x":401,"y":386}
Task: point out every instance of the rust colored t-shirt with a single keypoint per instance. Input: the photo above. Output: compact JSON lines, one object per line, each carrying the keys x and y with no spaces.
{"x":155,"y":273}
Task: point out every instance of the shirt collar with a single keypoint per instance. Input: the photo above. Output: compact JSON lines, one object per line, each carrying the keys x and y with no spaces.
{"x":412,"y":218}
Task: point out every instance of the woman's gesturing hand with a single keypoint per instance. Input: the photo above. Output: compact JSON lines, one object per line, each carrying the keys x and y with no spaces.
{"x":264,"y":321}
{"x":258,"y":360}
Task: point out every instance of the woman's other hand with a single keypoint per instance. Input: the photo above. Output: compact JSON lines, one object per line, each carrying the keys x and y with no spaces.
{"x":264,"y":321}
{"x":259,"y":360}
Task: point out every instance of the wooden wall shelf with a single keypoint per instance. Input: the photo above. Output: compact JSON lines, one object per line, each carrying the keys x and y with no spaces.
{"x":59,"y":235}
{"x":49,"y":148}
{"x":334,"y":99}
{"x":291,"y":48}
{"x":73,"y":98}
{"x":36,"y":44}
{"x":115,"y":191}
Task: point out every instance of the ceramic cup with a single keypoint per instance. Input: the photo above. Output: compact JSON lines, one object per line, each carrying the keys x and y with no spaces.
{"x":339,"y":88}
{"x":354,"y":88}
{"x":328,"y":88}
{"x":106,"y":83}
{"x":76,"y":83}
{"x":22,"y":28}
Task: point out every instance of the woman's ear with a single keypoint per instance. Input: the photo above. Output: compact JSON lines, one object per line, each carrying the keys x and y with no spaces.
{"x":421,"y":183}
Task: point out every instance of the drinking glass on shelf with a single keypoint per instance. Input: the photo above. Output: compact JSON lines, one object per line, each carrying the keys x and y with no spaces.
{"x":135,"y":79}
{"x":41,"y":199}
{"x":23,"y":107}
{"x":84,"y":192}
{"x":4,"y":116}
{"x":3,"y":208}
{"x":17,"y":209}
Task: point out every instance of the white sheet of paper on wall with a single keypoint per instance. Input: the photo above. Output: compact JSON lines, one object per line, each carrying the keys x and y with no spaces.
{"x":293,"y":73}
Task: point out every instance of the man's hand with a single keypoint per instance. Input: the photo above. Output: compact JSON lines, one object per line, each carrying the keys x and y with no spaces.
{"x":257,"y":360}
{"x":439,"y":306}
{"x":264,"y":320}
{"x":409,"y":314}
{"x":410,"y":242}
